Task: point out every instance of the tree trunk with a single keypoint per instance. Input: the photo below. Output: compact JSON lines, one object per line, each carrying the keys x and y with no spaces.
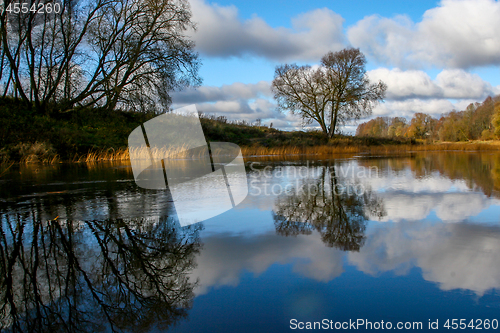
{"x":324,"y":128}
{"x":333,"y":125}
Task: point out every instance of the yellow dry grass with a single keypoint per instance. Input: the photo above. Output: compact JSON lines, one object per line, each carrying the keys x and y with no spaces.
{"x":325,"y":150}
{"x":382,"y":149}
{"x":103,"y":155}
{"x":29,"y":159}
{"x":285,"y":151}
{"x":38,"y":152}
{"x":142,"y":153}
{"x":4,"y":167}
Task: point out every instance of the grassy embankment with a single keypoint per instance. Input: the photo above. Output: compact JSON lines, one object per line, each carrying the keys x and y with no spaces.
{"x":93,"y":135}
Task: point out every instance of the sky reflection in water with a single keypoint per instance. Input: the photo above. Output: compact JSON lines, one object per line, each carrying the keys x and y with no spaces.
{"x":410,"y":238}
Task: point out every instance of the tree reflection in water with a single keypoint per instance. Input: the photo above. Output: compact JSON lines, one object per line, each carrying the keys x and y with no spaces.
{"x":84,"y":276}
{"x":338,"y":211}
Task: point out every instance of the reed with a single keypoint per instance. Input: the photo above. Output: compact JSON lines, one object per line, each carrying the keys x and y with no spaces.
{"x":291,"y":150}
{"x":123,"y":154}
{"x":443,"y":146}
{"x":38,"y":152}
{"x":378,"y":149}
{"x":4,"y":167}
{"x":142,"y":153}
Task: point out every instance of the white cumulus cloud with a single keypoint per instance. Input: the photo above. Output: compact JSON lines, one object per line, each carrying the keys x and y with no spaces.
{"x":456,"y":34}
{"x":223,"y":259}
{"x":449,"y":83}
{"x":456,"y":256}
{"x":222,"y":33}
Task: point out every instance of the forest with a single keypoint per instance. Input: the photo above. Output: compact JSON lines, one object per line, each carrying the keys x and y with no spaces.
{"x":479,"y":121}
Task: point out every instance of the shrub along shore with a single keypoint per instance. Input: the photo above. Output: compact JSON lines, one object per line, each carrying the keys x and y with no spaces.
{"x":88,"y":135}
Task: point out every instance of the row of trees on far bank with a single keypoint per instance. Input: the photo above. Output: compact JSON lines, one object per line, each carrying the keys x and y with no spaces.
{"x":477,"y":121}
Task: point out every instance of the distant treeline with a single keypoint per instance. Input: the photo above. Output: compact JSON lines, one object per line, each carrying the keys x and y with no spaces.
{"x":479,"y":121}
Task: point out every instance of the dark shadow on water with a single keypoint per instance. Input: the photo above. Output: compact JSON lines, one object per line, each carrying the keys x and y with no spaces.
{"x":88,"y":276}
{"x":338,"y":211}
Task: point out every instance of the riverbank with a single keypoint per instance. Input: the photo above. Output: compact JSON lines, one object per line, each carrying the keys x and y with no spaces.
{"x":122,"y":154}
{"x":94,"y":134}
{"x":90,"y":135}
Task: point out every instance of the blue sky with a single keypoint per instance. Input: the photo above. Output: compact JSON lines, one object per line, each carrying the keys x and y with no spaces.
{"x":435,"y":56}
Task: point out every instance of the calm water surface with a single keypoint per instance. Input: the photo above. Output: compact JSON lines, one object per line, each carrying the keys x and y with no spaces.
{"x":412,"y":239}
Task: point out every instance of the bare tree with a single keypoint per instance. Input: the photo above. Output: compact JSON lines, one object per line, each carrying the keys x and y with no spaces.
{"x":106,"y":53}
{"x":336,"y":92}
